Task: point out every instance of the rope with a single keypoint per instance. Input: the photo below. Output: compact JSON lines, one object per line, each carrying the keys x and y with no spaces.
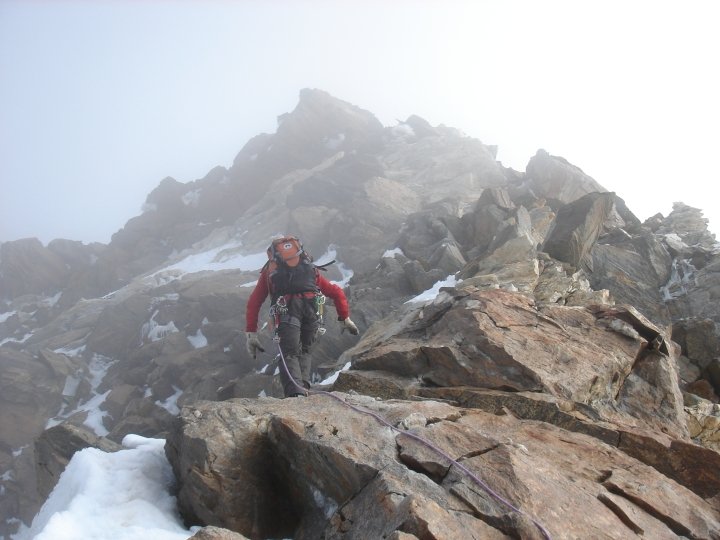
{"x":419,"y":439}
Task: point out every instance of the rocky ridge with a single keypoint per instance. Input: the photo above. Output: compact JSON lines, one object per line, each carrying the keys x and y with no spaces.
{"x":569,"y":324}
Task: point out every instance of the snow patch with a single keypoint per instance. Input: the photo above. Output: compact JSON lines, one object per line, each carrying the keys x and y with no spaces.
{"x":225,"y":257}
{"x":154,"y":331}
{"x":332,"y":378}
{"x":170,"y":404}
{"x":148,"y":207}
{"x":326,"y":504}
{"x":682,"y":275}
{"x":51,"y":301}
{"x":432,"y":292}
{"x":191,"y":198}
{"x":121,"y":495}
{"x":391,"y":253}
{"x":16,"y":340}
{"x":403,"y":130}
{"x":198,"y":341}
{"x":333,"y":143}
{"x":67,"y":351}
{"x":98,"y":368}
{"x":5,"y":316}
{"x":345,"y":272}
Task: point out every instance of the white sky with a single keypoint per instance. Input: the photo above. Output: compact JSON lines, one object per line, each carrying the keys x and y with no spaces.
{"x":101,"y":100}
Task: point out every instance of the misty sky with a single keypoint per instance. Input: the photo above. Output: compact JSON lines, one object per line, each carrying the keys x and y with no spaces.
{"x":101,"y":100}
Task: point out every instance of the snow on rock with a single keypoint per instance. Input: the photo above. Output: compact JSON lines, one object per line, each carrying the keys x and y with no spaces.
{"x":98,"y":368}
{"x":225,"y":257}
{"x":333,"y":377}
{"x":682,"y":275}
{"x":154,"y":331}
{"x":345,"y":272}
{"x":123,"y":495}
{"x":333,"y":143}
{"x":198,"y":340}
{"x":432,"y":292}
{"x":16,"y":340}
{"x":170,"y":404}
{"x":191,"y":198}
{"x":391,"y":253}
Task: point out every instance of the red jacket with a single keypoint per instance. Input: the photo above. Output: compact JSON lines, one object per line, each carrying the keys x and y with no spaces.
{"x":261,"y":291}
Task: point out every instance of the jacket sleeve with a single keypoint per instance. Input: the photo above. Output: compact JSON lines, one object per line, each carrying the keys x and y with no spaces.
{"x":336,"y":293}
{"x":255,"y":302}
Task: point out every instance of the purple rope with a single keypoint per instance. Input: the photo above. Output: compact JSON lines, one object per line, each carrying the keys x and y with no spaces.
{"x":422,"y":441}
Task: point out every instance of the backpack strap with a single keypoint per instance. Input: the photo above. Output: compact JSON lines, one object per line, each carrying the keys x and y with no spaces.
{"x":323,"y":267}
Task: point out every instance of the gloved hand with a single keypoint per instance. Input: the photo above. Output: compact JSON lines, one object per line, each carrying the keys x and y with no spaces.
{"x":350,"y":327}
{"x":252,"y":344}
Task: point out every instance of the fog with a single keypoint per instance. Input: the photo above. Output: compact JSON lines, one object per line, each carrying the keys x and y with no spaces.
{"x":99,"y":101}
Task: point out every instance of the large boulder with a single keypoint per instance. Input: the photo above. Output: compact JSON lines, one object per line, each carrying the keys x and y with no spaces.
{"x":557,"y":180}
{"x":634,"y":269}
{"x":611,"y":357}
{"x":315,"y":467}
{"x":577,"y":227}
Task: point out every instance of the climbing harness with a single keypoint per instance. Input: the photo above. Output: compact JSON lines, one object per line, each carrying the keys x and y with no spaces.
{"x":280,"y":308}
{"x":468,"y":473}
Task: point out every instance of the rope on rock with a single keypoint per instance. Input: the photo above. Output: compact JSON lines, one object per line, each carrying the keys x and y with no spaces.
{"x":475,"y":478}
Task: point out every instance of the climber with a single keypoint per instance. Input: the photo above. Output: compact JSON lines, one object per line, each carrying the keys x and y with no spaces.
{"x":297,"y":291}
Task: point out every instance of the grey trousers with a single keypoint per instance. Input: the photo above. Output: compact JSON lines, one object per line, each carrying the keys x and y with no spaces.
{"x":297,"y":331}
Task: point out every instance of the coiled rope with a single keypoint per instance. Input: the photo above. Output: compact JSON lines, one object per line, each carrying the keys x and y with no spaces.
{"x":475,"y":478}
